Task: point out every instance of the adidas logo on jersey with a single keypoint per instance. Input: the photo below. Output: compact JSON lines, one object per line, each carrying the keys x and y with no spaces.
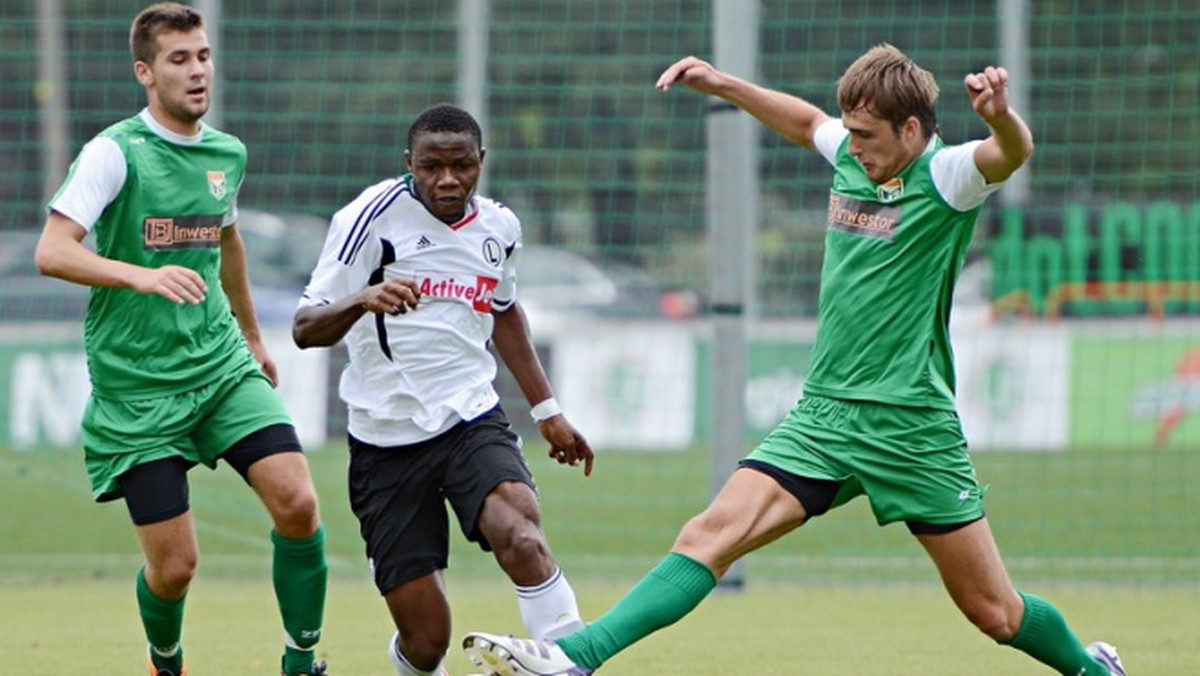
{"x":424,"y":243}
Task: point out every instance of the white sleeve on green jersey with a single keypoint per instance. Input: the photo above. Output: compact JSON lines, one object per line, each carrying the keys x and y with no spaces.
{"x":231,"y":216}
{"x":958,"y":179}
{"x":828,"y":138}
{"x":94,"y":182}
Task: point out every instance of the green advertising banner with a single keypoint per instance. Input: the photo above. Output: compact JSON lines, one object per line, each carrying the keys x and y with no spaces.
{"x":1123,"y":258}
{"x":1135,"y":392}
{"x":775,"y":370}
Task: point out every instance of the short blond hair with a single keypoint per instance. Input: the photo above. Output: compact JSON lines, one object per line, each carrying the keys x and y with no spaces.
{"x":890,"y":86}
{"x":163,"y":17}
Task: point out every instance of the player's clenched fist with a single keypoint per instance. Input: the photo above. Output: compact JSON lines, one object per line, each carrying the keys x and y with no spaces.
{"x":393,"y":297}
{"x":988,"y":91}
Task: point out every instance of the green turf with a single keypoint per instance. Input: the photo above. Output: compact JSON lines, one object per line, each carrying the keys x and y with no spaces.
{"x":1059,"y":517}
{"x":56,"y":628}
{"x":1110,"y":539}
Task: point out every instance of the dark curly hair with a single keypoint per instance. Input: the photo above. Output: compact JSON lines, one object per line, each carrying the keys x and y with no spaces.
{"x":444,"y":117}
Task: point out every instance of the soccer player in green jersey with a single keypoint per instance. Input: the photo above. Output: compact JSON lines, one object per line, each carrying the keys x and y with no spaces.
{"x":179,"y":372}
{"x":878,"y":414}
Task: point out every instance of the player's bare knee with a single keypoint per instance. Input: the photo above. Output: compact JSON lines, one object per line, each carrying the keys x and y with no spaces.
{"x":525,"y":542}
{"x":696,"y":533}
{"x":524,"y":555}
{"x":296,"y":513}
{"x":171,"y":576}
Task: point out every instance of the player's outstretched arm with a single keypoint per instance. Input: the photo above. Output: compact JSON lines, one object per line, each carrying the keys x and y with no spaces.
{"x":1011,"y":142}
{"x":61,"y":253}
{"x":789,"y":116}
{"x":511,"y":337}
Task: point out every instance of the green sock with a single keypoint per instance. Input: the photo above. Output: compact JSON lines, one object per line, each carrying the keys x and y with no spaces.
{"x":300,"y":576}
{"x":163,"y":623}
{"x":677,"y":585}
{"x":1045,"y":636}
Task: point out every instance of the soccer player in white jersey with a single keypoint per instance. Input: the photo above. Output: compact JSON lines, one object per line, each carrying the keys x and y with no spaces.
{"x":179,"y":372}
{"x":878,"y":414}
{"x":417,"y":276}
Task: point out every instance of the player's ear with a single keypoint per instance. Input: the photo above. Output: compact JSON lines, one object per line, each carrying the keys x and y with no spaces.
{"x":482,"y":152}
{"x":408,"y":159}
{"x":911,"y":128}
{"x":143,"y":73}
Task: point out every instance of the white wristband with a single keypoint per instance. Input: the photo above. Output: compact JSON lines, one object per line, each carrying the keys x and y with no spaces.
{"x":545,"y":410}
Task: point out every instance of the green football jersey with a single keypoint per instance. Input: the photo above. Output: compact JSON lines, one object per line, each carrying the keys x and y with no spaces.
{"x":169,"y":211}
{"x":893,"y":252}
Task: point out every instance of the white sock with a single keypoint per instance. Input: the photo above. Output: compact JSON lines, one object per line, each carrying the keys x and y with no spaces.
{"x":403,"y":668}
{"x":549,"y":609}
{"x":167,"y":653}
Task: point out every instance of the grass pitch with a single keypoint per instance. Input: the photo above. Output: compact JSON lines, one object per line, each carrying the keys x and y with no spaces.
{"x":231,"y":628}
{"x":840,"y":597}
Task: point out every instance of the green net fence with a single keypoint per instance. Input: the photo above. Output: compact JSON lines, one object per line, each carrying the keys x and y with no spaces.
{"x":1080,"y":374}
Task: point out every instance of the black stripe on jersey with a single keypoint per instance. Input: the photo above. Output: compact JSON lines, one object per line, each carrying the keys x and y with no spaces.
{"x":358,"y":234}
{"x":388,"y":257}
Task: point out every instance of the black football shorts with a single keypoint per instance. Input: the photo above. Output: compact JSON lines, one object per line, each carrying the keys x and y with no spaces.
{"x":399,"y":493}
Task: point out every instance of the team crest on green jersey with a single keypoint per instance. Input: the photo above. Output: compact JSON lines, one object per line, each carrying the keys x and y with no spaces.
{"x":891,"y":190}
{"x":216,"y":184}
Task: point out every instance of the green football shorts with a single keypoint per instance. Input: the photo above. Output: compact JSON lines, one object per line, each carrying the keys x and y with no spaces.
{"x":198,"y":425}
{"x":911,"y":463}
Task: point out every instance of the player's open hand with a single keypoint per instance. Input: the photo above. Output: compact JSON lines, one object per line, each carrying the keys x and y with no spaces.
{"x":692,"y":72}
{"x":174,"y":282}
{"x":393,"y":297}
{"x":989,"y":92}
{"x":567,"y":445}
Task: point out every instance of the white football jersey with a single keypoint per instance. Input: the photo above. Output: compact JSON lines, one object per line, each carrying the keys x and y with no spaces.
{"x":415,"y":375}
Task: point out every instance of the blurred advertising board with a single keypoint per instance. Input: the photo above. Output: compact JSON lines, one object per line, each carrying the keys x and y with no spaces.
{"x":45,"y":385}
{"x":1140,"y":391}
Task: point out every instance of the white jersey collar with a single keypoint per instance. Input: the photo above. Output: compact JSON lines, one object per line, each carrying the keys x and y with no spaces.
{"x":167,"y":134}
